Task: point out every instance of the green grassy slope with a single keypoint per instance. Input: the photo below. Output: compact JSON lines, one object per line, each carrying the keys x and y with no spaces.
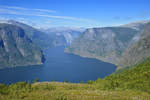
{"x":136,"y":78}
{"x":65,"y":91}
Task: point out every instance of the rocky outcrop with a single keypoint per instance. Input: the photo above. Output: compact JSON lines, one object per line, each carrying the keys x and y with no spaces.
{"x":139,"y":51}
{"x":113,"y":44}
{"x":40,"y":38}
{"x":16,"y":49}
{"x":106,"y":43}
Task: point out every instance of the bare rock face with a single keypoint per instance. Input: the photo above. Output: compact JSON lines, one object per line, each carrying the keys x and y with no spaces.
{"x":40,"y":38}
{"x":106,"y":43}
{"x":139,"y":51}
{"x":16,"y":49}
{"x":124,"y":45}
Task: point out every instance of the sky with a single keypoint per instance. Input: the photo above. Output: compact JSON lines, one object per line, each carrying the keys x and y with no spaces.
{"x":75,"y":13}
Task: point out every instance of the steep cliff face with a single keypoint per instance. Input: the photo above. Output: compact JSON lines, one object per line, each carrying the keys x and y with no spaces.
{"x":106,"y":43}
{"x":51,"y":37}
{"x":16,"y":49}
{"x":40,"y":38}
{"x":139,"y":51}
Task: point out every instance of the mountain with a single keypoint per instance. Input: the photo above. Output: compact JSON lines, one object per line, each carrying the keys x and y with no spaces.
{"x":139,"y":25}
{"x":16,"y":49}
{"x":63,"y":36}
{"x":40,"y":38}
{"x":48,"y":37}
{"x":139,"y":51}
{"x":107,"y":43}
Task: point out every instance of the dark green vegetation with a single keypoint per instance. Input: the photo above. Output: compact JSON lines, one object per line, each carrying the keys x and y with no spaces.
{"x":16,"y":49}
{"x":65,"y":91}
{"x":125,"y":85}
{"x":135,"y":78}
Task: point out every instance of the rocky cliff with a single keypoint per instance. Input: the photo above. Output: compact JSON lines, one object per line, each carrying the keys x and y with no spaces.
{"x":139,"y":51}
{"x":16,"y":49}
{"x":106,"y":43}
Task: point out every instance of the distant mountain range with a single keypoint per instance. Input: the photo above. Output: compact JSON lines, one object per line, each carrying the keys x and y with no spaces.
{"x":63,"y":36}
{"x":139,"y":25}
{"x":111,"y":44}
{"x":124,"y":45}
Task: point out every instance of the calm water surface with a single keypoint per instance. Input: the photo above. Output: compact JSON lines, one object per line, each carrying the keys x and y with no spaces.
{"x":59,"y":66}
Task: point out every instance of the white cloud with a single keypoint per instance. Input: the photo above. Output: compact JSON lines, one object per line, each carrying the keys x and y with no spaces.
{"x":45,"y":10}
{"x":27,"y":9}
{"x":40,"y":17}
{"x":14,"y":10}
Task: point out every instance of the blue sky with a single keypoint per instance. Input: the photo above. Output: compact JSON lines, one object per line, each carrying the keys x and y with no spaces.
{"x":75,"y":13}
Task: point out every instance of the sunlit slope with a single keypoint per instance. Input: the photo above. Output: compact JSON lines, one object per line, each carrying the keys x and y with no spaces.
{"x":66,"y":91}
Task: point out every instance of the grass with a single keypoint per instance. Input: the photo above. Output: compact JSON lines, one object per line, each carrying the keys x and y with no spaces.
{"x":67,"y":91}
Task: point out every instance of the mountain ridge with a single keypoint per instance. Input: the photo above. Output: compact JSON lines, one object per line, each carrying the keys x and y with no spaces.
{"x":107,"y":43}
{"x":139,"y":51}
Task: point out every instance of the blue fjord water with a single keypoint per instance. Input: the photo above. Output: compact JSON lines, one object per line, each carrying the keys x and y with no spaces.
{"x":59,"y":66}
